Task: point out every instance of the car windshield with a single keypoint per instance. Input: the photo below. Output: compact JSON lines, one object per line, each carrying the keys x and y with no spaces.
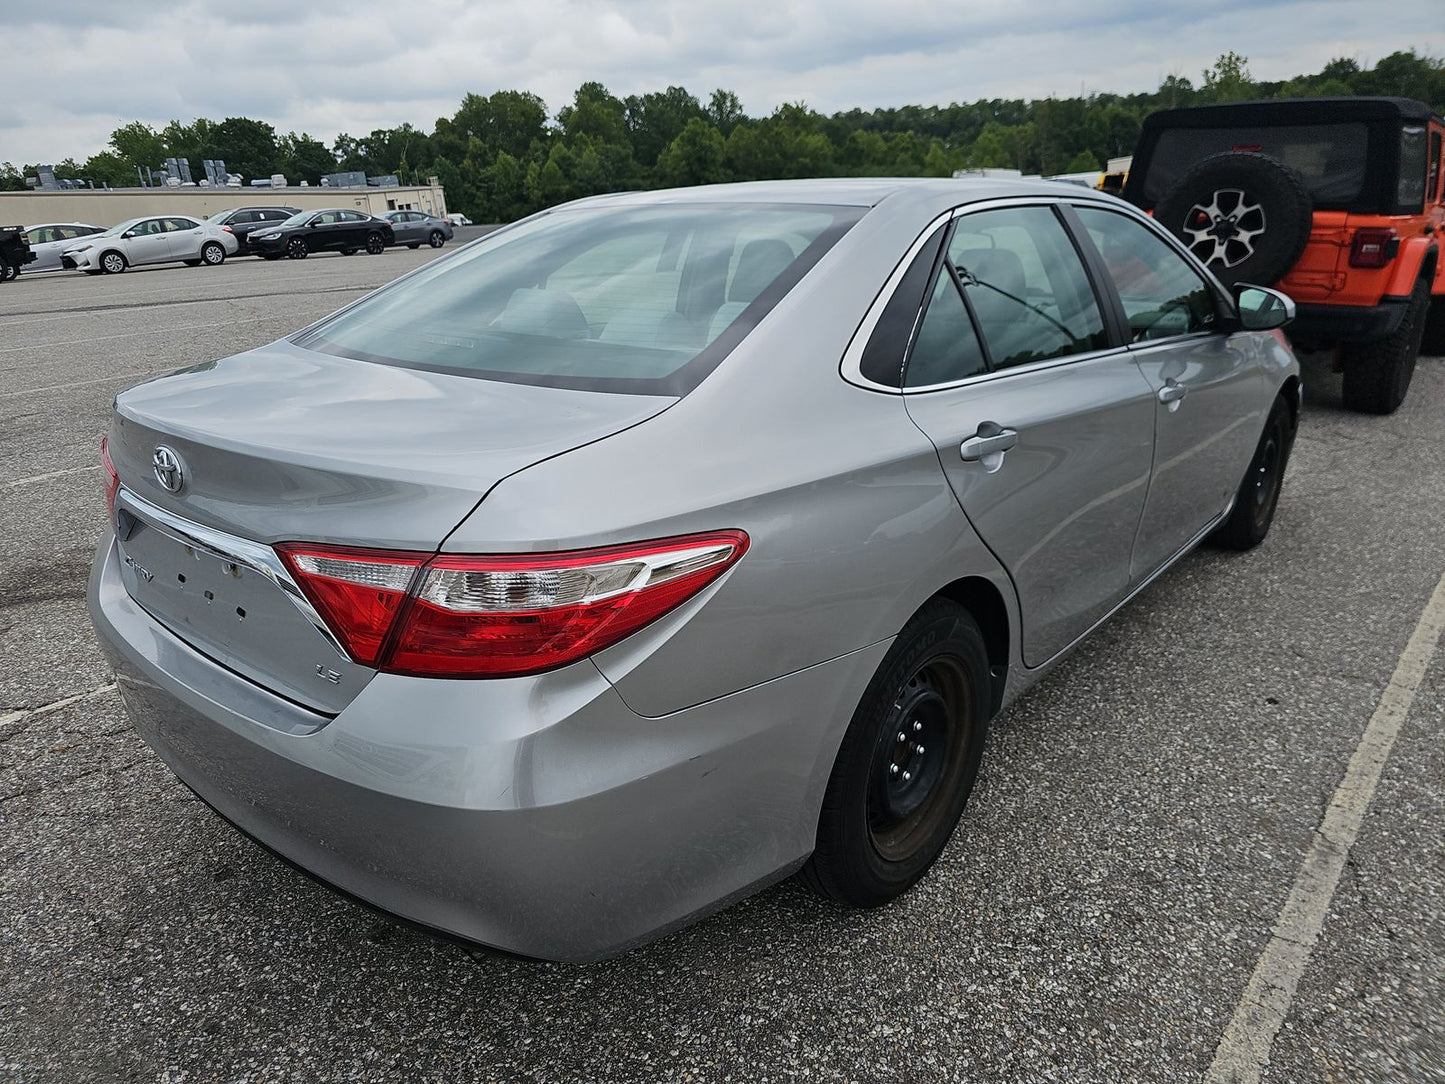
{"x":1329,"y":157}
{"x":116,"y":231}
{"x":218,"y":216}
{"x":295,"y":220}
{"x":643,"y":300}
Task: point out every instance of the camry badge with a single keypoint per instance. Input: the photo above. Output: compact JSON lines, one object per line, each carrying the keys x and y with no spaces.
{"x":168,"y":469}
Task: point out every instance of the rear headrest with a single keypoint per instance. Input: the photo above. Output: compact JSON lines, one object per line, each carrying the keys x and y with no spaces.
{"x":998,"y":267}
{"x":554,"y":313}
{"x":759,"y":264}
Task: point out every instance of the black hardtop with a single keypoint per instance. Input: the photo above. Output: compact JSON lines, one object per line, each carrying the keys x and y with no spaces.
{"x":1291,"y":111}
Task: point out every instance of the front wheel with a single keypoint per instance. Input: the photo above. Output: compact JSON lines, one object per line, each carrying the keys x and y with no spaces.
{"x":297,"y":249}
{"x":1258,"y":494}
{"x":1377,"y":374}
{"x":213,"y":253}
{"x":436,"y":239}
{"x":907,"y":762}
{"x":112,"y":263}
{"x":375,"y":244}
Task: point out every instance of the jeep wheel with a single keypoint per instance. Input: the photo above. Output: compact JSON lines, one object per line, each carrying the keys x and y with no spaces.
{"x":1246,"y":216}
{"x":1377,"y":374}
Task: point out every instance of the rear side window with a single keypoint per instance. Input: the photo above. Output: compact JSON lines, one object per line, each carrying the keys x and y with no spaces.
{"x":1025,"y":285}
{"x":1329,"y":157}
{"x":643,"y":300}
{"x":1162,"y":295}
{"x":1412,"y":166}
{"x":1432,"y":186}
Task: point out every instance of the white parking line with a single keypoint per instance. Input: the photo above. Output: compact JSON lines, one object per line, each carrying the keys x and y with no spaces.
{"x":1243,"y":1052}
{"x":152,"y":330}
{"x":83,"y":383}
{"x":55,"y":705}
{"x":48,"y":475}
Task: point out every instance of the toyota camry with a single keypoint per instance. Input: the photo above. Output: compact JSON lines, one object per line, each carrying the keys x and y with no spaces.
{"x":662,"y":545}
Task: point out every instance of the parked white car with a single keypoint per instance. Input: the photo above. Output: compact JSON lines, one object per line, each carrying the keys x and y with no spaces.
{"x":163,"y":239}
{"x":459,"y":220}
{"x":49,"y":239}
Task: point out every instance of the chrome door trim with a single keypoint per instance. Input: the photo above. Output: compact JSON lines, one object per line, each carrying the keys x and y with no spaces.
{"x":228,"y":547}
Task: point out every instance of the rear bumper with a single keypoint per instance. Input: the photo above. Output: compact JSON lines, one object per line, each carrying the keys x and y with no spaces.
{"x":536,"y":815}
{"x":1329,"y":324}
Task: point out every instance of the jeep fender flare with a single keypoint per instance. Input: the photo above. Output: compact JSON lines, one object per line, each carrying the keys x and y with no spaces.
{"x":1418,"y":256}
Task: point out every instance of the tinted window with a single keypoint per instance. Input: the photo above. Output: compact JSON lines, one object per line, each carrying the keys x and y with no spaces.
{"x":1026,"y":285}
{"x":176,"y":225}
{"x":1412,"y":166}
{"x":352,"y":216}
{"x":1330,"y":157}
{"x":634,"y":299}
{"x":1432,"y":186}
{"x":946,"y":348}
{"x":243,"y":217}
{"x":1161,"y":293}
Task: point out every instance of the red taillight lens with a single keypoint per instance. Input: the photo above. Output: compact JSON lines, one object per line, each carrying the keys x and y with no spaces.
{"x":1373,"y":247}
{"x":228,"y":229}
{"x":357,"y":592}
{"x":112,"y":479}
{"x":503,"y":616}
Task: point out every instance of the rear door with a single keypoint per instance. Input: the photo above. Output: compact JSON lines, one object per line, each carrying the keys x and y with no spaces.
{"x":150,"y":243}
{"x":1043,"y":423}
{"x":1209,"y":392}
{"x":185,"y":236}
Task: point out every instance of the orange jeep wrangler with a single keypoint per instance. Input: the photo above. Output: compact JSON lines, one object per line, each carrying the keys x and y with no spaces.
{"x":1336,"y":201}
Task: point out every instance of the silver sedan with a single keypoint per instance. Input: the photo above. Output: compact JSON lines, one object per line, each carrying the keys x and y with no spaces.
{"x":151,"y":240}
{"x":417,"y":228}
{"x":665,"y":544}
{"x":49,"y":239}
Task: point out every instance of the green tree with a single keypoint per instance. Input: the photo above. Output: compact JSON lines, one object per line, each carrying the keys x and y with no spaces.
{"x":1229,"y":80}
{"x":697,"y":156}
{"x":109,"y":170}
{"x":302,"y":158}
{"x":655,"y":120}
{"x":725,"y":111}
{"x":247,"y":146}
{"x":1083,"y":162}
{"x":139,"y":144}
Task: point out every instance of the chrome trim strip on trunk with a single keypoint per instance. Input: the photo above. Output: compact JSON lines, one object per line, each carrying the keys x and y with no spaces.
{"x":227,"y":547}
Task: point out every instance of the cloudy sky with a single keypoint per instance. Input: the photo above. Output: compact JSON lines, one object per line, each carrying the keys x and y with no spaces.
{"x":326,"y":66}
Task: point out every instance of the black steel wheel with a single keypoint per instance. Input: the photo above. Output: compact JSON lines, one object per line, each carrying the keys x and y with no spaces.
{"x":1258,"y":495}
{"x":907,"y":761}
{"x":436,"y":239}
{"x":297,"y":249}
{"x":375,"y":243}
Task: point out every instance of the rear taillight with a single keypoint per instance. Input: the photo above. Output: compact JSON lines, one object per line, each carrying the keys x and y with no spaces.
{"x":358,"y":592}
{"x":1374,"y":246}
{"x":228,"y":229}
{"x":506,"y":615}
{"x":112,"y":479}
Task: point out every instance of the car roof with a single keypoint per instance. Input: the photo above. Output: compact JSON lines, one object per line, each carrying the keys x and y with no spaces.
{"x":1291,"y":111}
{"x":848,"y":192}
{"x":42,"y":225}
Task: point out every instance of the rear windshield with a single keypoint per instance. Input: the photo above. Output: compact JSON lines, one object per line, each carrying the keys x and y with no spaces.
{"x":641,"y":300}
{"x":1330,"y":157}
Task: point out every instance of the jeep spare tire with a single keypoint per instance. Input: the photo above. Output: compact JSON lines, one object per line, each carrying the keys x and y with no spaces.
{"x":1247,"y":216}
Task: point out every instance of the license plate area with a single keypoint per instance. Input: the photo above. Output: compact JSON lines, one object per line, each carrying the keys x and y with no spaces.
{"x":235,"y":613}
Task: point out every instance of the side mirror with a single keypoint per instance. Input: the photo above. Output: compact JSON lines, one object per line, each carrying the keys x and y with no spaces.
{"x":128,"y":233}
{"x":313,"y":224}
{"x":1262,"y":309}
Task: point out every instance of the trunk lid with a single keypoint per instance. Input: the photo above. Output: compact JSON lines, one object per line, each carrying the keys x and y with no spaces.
{"x":283,"y":444}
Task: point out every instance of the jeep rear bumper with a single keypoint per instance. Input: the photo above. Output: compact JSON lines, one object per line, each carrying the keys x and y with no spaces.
{"x":1326,"y":325}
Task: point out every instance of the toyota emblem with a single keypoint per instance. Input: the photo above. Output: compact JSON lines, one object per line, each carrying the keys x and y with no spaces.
{"x":169,"y":472}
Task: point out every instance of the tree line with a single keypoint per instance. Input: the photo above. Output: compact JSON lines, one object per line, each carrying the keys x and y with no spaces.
{"x":501,"y":156}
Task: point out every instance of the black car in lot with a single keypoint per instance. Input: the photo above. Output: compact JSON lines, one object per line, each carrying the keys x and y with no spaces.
{"x":334,"y":229}
{"x":243,"y":221}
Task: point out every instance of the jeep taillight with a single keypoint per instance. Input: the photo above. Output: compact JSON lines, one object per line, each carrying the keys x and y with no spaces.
{"x":502,"y":615}
{"x":1373,"y":246}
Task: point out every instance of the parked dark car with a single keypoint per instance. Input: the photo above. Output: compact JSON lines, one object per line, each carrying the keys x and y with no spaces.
{"x":14,"y":251}
{"x":415,"y":228}
{"x":243,"y":221}
{"x":334,"y":229}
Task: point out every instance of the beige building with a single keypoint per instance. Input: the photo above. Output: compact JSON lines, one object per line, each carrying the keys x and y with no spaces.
{"x":106,"y":207}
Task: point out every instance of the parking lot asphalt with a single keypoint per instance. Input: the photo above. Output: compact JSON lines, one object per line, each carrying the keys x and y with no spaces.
{"x":1140,"y":819}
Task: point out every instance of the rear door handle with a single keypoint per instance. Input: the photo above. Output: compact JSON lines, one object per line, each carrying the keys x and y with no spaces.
{"x":1172,"y":393}
{"x":988,"y":445}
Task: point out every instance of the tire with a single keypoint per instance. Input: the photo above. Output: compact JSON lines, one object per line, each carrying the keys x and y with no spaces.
{"x":191,"y":263}
{"x":414,"y":244}
{"x":271,"y":255}
{"x":436,"y":239}
{"x":1377,"y":374}
{"x":1246,"y":216}
{"x":1433,"y":342}
{"x":375,"y":243}
{"x":297,"y":249}
{"x":112,"y":262}
{"x":1258,"y":495}
{"x":9,"y":271}
{"x":907,"y":762}
{"x":213,"y":254}
{"x":348,"y":252}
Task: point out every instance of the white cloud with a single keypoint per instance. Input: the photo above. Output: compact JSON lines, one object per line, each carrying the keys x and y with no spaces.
{"x":328,"y":66}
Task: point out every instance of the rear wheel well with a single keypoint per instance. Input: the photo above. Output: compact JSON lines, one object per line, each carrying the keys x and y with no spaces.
{"x":1289,"y":391}
{"x":984,"y":602}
